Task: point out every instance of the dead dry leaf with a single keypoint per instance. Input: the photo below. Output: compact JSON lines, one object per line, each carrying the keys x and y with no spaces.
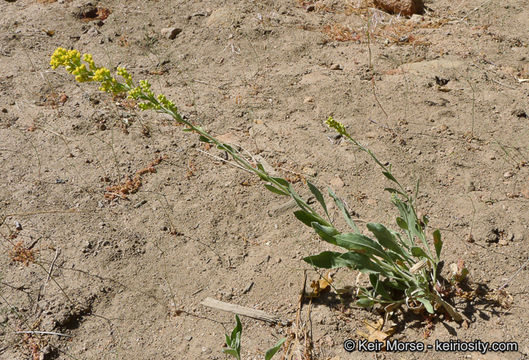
{"x":320,"y":286}
{"x":375,"y":331}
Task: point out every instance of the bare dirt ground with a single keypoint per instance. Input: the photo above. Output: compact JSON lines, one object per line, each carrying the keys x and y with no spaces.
{"x":441,"y":96}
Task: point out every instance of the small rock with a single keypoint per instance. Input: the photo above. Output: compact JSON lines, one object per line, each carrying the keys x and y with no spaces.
{"x":310,"y":8}
{"x":308,"y":99}
{"x":188,"y":338}
{"x":471,"y":186}
{"x":336,"y":67}
{"x":403,"y":7}
{"x":519,"y":113}
{"x":493,"y":236}
{"x":86,"y":246}
{"x":415,"y":19}
{"x":337,"y":183}
{"x":93,"y":32}
{"x":18,"y":225}
{"x":87,"y":11}
{"x":170,"y":32}
{"x":508,"y":174}
{"x":309,"y":171}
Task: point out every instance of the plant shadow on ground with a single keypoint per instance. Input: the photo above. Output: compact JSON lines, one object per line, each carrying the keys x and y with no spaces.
{"x":474,"y":300}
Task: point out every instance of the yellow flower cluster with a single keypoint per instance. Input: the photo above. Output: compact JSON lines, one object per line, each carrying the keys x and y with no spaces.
{"x":336,"y":125}
{"x":71,"y":60}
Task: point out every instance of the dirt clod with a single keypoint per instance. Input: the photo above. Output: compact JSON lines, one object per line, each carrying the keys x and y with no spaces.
{"x":402,"y":7}
{"x":170,"y":32}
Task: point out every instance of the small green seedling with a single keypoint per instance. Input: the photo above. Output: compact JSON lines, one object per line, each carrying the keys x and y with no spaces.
{"x":233,"y":343}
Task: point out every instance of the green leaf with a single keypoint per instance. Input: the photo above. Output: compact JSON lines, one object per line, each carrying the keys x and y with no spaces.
{"x":327,"y":233}
{"x":402,"y":224}
{"x":360,"y":243}
{"x":378,"y":286}
{"x":362,"y":263}
{"x":281,"y":181}
{"x":419,"y":252}
{"x":395,"y":284}
{"x":386,"y":238}
{"x":438,"y":244}
{"x":203,"y":139}
{"x":390,"y":176}
{"x":365,"y":302}
{"x":427,"y":304}
{"x":317,"y":194}
{"x":225,"y":147}
{"x":306,"y":218}
{"x":238,"y":327}
{"x":272,"y":351}
{"x":345,"y":213}
{"x":394,"y":191}
{"x":231,"y":352}
{"x":328,"y":260}
{"x":275,"y":190}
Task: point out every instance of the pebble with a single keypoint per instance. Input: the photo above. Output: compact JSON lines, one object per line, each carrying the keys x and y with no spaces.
{"x":18,"y":225}
{"x":308,"y":99}
{"x":519,"y":113}
{"x":337,"y":183}
{"x":188,"y":338}
{"x":309,"y":171}
{"x":336,"y":67}
{"x":508,"y":174}
{"x":170,"y":32}
{"x":403,"y":7}
{"x":471,"y":186}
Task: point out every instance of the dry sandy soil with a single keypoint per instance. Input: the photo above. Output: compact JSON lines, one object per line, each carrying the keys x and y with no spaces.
{"x":441,"y":96}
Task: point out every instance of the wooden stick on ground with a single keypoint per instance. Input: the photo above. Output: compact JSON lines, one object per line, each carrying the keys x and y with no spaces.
{"x":241,"y":310}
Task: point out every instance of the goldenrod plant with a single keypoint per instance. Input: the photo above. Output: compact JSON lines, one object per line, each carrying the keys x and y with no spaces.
{"x":401,"y":265}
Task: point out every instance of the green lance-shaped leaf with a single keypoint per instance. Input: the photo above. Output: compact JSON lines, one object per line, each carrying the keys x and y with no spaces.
{"x":281,"y":181}
{"x":438,"y":244}
{"x":360,"y":243}
{"x":354,"y":260}
{"x":365,"y":302}
{"x":306,"y":217}
{"x":378,"y":286}
{"x":327,"y":233}
{"x":386,"y":238}
{"x":275,"y":190}
{"x":427,"y":304}
{"x":318,"y":195}
{"x":402,"y":224}
{"x":272,"y":351}
{"x":328,"y":260}
{"x":419,"y":253}
{"x":339,"y":203}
